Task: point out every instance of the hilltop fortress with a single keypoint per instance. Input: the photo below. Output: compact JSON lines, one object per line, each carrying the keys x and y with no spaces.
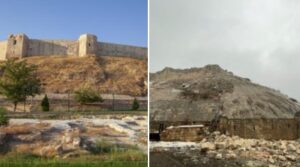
{"x":19,"y":46}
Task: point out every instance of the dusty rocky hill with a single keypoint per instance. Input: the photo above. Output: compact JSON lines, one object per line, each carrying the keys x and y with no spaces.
{"x":198,"y":94}
{"x":120,"y":75}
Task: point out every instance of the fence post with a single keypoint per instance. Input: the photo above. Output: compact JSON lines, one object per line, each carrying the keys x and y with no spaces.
{"x":68,"y":101}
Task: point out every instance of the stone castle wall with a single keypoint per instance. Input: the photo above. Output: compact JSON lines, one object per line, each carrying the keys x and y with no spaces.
{"x":3,"y":46}
{"x":52,"y":47}
{"x":21,"y":46}
{"x":109,"y":49}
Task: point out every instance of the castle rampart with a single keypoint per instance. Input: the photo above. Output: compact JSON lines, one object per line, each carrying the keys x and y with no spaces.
{"x":3,"y":46}
{"x":20,"y":45}
{"x":52,"y":47}
{"x":110,"y":49}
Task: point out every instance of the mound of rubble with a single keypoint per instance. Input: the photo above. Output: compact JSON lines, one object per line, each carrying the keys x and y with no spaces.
{"x":199,"y":94}
{"x":69,"y":138}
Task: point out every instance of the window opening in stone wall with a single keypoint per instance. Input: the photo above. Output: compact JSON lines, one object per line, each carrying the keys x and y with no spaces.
{"x":89,"y":44}
{"x":15,"y":42}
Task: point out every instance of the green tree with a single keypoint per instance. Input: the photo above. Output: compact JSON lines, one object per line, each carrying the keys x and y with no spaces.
{"x":135,"y":105}
{"x":86,"y":94}
{"x":18,"y":81}
{"x":45,"y":103}
{"x":3,"y":118}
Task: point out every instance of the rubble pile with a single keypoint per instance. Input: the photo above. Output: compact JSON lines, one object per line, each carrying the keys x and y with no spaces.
{"x":246,"y":152}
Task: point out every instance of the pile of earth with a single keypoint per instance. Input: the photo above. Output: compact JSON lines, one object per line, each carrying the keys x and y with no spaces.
{"x":119,"y":75}
{"x":74,"y":137}
{"x":201,"y":94}
{"x":220,"y":150}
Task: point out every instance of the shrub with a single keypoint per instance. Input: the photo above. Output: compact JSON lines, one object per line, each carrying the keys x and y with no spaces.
{"x":104,"y":147}
{"x":45,"y":103}
{"x":3,"y":118}
{"x":135,"y":104}
{"x":87,"y":95}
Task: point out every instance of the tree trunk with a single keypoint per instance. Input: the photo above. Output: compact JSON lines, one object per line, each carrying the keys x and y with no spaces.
{"x":81,"y":107}
{"x":31,"y":103}
{"x":15,"y":106}
{"x":25,"y":105}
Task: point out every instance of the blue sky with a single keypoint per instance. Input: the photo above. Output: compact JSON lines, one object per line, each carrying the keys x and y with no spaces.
{"x":116,"y":21}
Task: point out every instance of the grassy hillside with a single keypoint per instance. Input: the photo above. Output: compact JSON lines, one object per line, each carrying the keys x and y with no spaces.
{"x":121,"y":75}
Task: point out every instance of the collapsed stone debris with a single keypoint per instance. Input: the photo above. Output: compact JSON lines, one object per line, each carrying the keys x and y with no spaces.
{"x":220,"y":147}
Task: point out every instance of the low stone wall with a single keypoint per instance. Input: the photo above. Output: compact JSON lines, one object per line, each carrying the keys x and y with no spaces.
{"x":162,"y":125}
{"x":183,"y":133}
{"x":259,"y":128}
{"x":284,"y":129}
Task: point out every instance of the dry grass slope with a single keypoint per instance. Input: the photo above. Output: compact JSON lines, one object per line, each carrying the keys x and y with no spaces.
{"x":121,"y":75}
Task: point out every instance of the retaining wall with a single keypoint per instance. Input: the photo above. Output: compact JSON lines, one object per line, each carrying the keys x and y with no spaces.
{"x":285,"y":129}
{"x":183,"y":134}
{"x":257,"y":128}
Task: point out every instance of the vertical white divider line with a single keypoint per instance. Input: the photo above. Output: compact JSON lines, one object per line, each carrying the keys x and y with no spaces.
{"x":148,"y":72}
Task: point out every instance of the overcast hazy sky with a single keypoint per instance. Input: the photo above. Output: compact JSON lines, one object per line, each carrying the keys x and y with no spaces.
{"x":257,"y":39}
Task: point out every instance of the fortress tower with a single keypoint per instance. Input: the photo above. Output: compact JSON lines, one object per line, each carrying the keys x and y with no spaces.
{"x":87,"y":45}
{"x":17,"y":46}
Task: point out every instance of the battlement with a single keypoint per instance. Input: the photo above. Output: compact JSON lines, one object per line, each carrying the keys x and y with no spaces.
{"x":19,"y":46}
